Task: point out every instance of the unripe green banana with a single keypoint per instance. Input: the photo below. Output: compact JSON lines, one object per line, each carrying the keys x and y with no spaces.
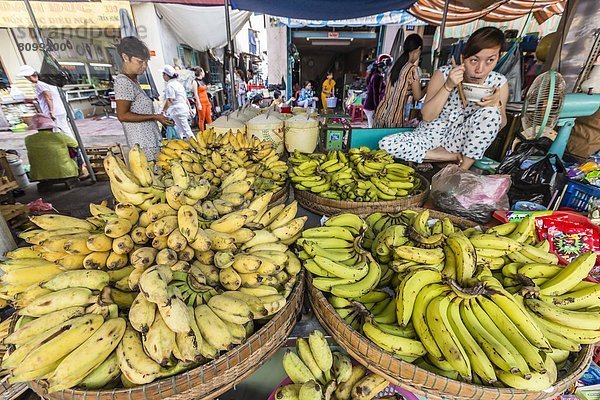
{"x":295,"y":369}
{"x":321,"y":352}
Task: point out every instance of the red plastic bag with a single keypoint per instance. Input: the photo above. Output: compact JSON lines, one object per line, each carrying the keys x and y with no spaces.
{"x":570,"y":235}
{"x":38,"y":206}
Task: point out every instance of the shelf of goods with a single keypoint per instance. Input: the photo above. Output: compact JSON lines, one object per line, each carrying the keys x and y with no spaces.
{"x":14,"y":111}
{"x":362,"y":182}
{"x":181,"y":290}
{"x":473,"y":315}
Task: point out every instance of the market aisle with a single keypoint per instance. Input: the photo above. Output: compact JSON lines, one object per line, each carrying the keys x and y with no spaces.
{"x":93,"y":133}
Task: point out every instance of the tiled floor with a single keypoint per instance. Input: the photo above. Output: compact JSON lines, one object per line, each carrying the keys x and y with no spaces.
{"x":93,"y":133}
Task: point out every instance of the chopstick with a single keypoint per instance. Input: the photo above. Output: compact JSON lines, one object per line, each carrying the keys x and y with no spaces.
{"x":461,"y":92}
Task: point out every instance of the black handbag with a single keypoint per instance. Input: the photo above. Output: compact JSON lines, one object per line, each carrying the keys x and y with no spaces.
{"x":53,"y":73}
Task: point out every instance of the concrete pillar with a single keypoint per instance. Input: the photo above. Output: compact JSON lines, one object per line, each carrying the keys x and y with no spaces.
{"x":277,"y":54}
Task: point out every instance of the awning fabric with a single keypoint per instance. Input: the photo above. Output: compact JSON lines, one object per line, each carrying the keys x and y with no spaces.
{"x":465,"y":30}
{"x":432,"y":11}
{"x":319,"y":9}
{"x":386,"y":18}
{"x":202,"y":28}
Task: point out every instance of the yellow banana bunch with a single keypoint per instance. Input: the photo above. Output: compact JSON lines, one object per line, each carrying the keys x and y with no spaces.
{"x":363,"y":175}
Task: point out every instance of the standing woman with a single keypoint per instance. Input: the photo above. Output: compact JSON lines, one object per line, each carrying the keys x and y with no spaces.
{"x":327,"y":89}
{"x":202,"y":101}
{"x":240,"y":84}
{"x":450,"y":131}
{"x":176,"y":103}
{"x":402,"y":83}
{"x":374,"y":92}
{"x":135,"y":109}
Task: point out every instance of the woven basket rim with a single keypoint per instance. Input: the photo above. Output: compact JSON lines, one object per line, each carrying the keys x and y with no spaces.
{"x":321,"y":306}
{"x":291,"y":309}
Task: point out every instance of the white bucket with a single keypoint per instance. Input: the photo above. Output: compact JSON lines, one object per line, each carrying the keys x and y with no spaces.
{"x":331,"y":102}
{"x":16,"y":166}
{"x":301,"y":134}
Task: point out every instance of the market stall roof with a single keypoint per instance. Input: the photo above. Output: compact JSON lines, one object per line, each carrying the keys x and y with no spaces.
{"x":459,"y":11}
{"x":201,"y":28}
{"x":318,"y":9}
{"x":386,"y":18}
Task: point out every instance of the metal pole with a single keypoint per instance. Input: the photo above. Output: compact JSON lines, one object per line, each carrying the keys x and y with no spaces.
{"x":442,"y":29}
{"x":230,"y":50}
{"x":40,"y":39}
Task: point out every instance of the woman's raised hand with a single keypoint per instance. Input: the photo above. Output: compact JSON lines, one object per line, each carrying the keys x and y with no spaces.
{"x":455,"y":77}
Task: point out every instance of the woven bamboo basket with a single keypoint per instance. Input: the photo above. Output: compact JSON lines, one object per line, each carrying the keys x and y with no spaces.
{"x":212,"y":379}
{"x":280,"y":196}
{"x":418,"y":380}
{"x":322,"y":206}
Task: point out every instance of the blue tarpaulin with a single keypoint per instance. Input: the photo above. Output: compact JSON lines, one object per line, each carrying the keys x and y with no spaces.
{"x":321,"y":9}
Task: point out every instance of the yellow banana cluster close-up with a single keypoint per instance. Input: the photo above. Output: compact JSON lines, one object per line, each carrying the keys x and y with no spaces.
{"x":361,"y":175}
{"x":317,"y":373}
{"x":139,"y":292}
{"x":489,"y":308}
{"x":212,"y":157}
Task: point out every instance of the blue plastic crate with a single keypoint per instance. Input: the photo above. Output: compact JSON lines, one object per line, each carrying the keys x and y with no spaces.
{"x":579,"y":195}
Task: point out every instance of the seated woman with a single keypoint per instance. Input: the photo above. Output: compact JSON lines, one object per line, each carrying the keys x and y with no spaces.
{"x":307,"y":96}
{"x":450,"y":132}
{"x":48,"y":151}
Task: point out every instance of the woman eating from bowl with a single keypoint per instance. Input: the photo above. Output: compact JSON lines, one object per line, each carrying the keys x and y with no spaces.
{"x":451,"y":131}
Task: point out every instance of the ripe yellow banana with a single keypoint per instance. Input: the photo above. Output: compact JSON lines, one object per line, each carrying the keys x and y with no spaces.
{"x":85,"y":358}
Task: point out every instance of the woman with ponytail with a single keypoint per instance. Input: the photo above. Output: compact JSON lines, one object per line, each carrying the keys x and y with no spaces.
{"x":403,"y":82}
{"x":451,"y":131}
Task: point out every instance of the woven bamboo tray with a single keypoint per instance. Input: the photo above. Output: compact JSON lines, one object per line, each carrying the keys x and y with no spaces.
{"x":214,"y":378}
{"x":280,"y":196}
{"x":418,"y":380}
{"x":322,"y":206}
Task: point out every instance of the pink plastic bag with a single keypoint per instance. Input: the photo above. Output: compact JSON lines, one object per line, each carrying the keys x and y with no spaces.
{"x":469,"y":195}
{"x":38,"y":206}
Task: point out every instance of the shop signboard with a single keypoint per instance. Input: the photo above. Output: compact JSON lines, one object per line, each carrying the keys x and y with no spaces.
{"x":63,"y":14}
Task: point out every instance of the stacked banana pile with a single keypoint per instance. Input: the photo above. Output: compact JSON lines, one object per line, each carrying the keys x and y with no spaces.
{"x":489,"y":308}
{"x":362,"y":175}
{"x":172,"y":288}
{"x":334,"y":255}
{"x":137,"y":185}
{"x":212,"y":157}
{"x":318,"y":373}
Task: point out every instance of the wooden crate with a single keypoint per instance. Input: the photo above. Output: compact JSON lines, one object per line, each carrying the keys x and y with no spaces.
{"x":7,"y":179}
{"x":98,"y":153}
{"x":14,"y":214}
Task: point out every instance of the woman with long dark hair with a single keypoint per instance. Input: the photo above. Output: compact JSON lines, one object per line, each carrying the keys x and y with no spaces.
{"x":450,"y":131}
{"x":403,"y":81}
{"x":375,"y":87}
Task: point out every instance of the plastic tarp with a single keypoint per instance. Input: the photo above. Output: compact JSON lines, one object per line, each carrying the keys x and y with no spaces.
{"x":202,"y":28}
{"x":386,"y":18}
{"x":319,"y":9}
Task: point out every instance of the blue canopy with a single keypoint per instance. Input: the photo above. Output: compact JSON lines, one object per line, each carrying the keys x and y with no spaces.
{"x":321,"y":9}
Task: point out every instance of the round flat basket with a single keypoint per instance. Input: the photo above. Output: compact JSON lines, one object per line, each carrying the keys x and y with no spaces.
{"x":322,"y":206}
{"x":280,"y":196}
{"x":211,"y":379}
{"x":418,"y":380}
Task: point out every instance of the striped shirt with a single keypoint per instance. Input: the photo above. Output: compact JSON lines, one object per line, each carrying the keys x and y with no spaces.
{"x":390,"y":111}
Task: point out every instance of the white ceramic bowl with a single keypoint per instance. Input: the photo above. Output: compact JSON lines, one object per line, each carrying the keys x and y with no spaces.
{"x":475,"y":93}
